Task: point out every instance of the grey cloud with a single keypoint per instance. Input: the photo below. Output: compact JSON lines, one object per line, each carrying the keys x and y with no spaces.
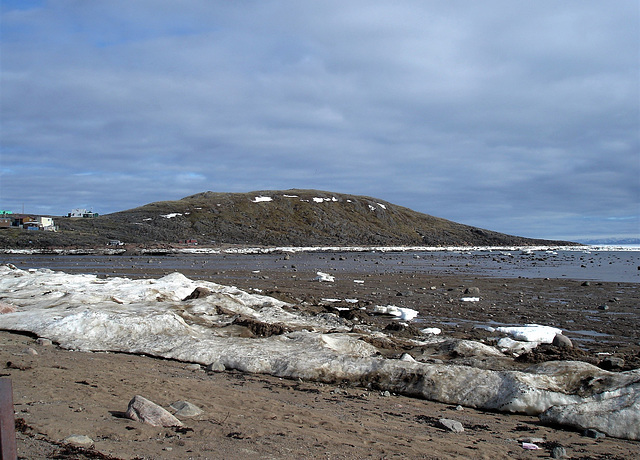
{"x":490,"y":113}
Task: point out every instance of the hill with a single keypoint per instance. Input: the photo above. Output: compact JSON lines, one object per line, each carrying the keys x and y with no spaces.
{"x":269,"y":218}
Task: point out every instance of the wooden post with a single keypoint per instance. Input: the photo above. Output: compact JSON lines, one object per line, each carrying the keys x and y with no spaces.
{"x":7,"y":422}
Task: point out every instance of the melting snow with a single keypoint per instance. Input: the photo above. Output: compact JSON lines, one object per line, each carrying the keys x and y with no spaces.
{"x":531,"y":332}
{"x":259,"y":199}
{"x":170,"y":216}
{"x":406,"y":314}
{"x":324,"y":277}
{"x":155,"y":317}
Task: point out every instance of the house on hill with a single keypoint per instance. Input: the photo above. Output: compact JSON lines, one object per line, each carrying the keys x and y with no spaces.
{"x":78,"y":212}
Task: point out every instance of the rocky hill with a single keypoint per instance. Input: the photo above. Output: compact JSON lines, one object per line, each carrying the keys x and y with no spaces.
{"x":268,"y":218}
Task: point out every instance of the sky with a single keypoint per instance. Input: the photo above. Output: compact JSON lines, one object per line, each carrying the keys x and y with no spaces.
{"x":518,"y":117}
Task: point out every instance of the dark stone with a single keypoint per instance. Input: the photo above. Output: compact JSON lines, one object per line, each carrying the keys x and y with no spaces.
{"x":612,"y":363}
{"x":562,"y":341}
{"x":595,"y":434}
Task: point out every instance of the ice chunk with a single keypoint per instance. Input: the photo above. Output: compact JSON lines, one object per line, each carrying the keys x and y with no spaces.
{"x":531,"y":332}
{"x":406,"y":314}
{"x":324,"y":277}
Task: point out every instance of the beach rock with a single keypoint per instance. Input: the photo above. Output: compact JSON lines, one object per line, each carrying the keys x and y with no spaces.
{"x":216,"y":366}
{"x":198,"y":293}
{"x":79,"y":440}
{"x":558,"y":452}
{"x":595,"y":434}
{"x":43,"y":342}
{"x":142,"y":410}
{"x":185,"y":409}
{"x":475,"y":291}
{"x":451,"y":425}
{"x":562,"y":341}
{"x":612,"y":363}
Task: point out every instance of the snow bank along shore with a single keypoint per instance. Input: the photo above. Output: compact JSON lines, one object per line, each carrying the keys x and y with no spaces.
{"x":197,"y":321}
{"x":314,"y":249}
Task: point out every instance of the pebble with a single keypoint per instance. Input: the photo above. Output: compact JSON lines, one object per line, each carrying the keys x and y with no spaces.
{"x":612,"y":363}
{"x":80,"y":440}
{"x":558,"y":452}
{"x":216,"y":366}
{"x":185,"y":409}
{"x":451,"y":425}
{"x":603,"y":307}
{"x":43,"y":342}
{"x":30,"y":351}
{"x":595,"y":434}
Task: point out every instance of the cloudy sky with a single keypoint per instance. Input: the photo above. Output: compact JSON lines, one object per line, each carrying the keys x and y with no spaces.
{"x":520,"y":117}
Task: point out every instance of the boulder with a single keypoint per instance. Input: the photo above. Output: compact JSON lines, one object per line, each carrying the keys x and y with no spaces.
{"x":142,"y":410}
{"x":562,"y":341}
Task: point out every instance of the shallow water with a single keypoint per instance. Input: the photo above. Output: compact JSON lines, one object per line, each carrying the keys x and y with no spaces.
{"x":613,"y":266}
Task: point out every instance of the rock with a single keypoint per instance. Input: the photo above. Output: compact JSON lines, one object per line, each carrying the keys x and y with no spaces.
{"x":185,"y":409}
{"x":562,"y":341}
{"x":451,"y":425}
{"x":472,"y":290}
{"x":198,"y":293}
{"x":193,"y":367}
{"x":216,"y":366}
{"x":142,"y":410}
{"x":558,"y":452}
{"x":612,"y":363}
{"x":586,"y":283}
{"x":79,"y":440}
{"x":407,"y":357}
{"x":30,"y":351}
{"x":595,"y":434}
{"x":43,"y":342}
{"x":385,"y":393}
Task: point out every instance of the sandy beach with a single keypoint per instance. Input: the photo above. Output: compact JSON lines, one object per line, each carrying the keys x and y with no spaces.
{"x":59,"y":393}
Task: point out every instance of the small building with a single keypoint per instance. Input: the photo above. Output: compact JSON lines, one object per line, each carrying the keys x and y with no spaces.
{"x":46,"y":224}
{"x":78,"y":212}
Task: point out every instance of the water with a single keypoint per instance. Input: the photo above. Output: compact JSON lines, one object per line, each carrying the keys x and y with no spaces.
{"x":592,"y":265}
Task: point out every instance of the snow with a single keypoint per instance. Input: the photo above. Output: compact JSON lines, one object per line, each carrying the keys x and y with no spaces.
{"x":324,"y":277}
{"x":152,"y":317}
{"x":470,"y":299}
{"x":260,"y":199}
{"x":382,"y":206}
{"x":406,"y":314}
{"x":531,"y":332}
{"x":431,"y":330}
{"x":171,"y":216}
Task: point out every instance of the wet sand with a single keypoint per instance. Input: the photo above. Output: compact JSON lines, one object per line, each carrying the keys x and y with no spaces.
{"x":58,"y":393}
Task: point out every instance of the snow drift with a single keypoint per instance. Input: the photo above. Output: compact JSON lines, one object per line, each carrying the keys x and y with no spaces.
{"x":196,"y":321}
